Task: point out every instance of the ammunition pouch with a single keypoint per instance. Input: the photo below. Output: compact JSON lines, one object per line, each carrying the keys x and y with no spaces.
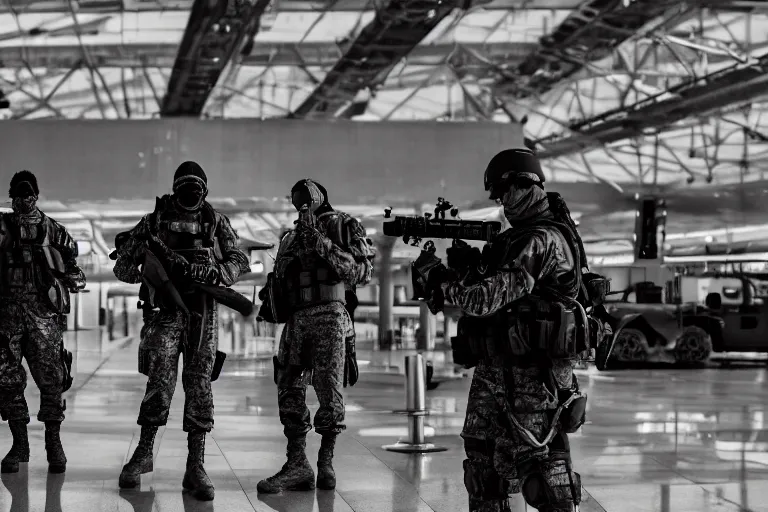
{"x":66,"y":361}
{"x":218,"y":363}
{"x":465,"y":344}
{"x":319,"y":286}
{"x":595,"y":287}
{"x":58,"y":296}
{"x":574,"y":411}
{"x":528,"y":328}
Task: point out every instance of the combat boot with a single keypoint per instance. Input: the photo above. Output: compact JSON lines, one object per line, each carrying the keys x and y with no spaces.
{"x":295,"y":475}
{"x":19,"y":450}
{"x":57,"y":461}
{"x":141,"y":460}
{"x":195,"y":478}
{"x":326,"y":477}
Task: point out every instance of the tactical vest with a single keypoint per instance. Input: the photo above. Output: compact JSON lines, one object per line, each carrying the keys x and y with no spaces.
{"x":547,"y":324}
{"x":191,"y":235}
{"x":29,"y":262}
{"x":308,"y":279}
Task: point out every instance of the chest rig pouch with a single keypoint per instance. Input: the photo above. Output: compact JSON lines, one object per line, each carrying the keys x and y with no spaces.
{"x":554,"y":328}
{"x":30,"y":262}
{"x":307,"y":279}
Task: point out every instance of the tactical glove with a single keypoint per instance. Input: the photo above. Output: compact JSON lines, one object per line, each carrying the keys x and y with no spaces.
{"x":206,"y":274}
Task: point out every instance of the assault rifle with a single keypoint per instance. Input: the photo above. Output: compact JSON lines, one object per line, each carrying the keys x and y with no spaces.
{"x":159,"y":264}
{"x":414,"y":228}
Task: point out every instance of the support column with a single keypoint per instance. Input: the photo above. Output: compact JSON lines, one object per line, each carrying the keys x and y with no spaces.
{"x":386,"y":294}
{"x":424,"y":341}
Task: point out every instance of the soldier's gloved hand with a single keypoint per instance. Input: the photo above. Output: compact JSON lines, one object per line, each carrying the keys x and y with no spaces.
{"x":461,"y":256}
{"x":206,"y":274}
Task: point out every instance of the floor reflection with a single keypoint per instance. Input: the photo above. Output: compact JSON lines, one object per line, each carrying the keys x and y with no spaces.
{"x":300,"y":501}
{"x":18,"y":487}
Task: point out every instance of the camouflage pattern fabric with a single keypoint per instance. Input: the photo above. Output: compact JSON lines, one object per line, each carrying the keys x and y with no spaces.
{"x":164,"y":337}
{"x":494,"y":446}
{"x":168,"y":333}
{"x":29,"y":327}
{"x":31,"y":330}
{"x":525,"y":392}
{"x":320,"y":331}
{"x":312,"y":346}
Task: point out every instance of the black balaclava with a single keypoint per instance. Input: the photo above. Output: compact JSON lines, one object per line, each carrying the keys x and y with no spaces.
{"x":24,"y":192}
{"x":311,"y":193}
{"x":190,"y":186}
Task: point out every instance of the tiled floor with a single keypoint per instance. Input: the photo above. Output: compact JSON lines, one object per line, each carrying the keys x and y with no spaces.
{"x":658,"y":440}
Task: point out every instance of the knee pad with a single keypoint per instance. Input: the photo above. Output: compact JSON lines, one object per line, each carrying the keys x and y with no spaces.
{"x":550,"y":485}
{"x":482,"y":481}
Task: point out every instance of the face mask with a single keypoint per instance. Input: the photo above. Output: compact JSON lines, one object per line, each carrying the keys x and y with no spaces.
{"x":190,"y":196}
{"x":24,"y":205}
{"x":522,"y":203}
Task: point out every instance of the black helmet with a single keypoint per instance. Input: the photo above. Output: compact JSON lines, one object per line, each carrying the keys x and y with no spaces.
{"x":23,"y":184}
{"x":510,"y":164}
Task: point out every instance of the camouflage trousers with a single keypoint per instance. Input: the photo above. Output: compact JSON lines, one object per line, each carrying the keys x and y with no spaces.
{"x":30,"y":329}
{"x":496,"y":449}
{"x":312,"y":351}
{"x":165,"y":336}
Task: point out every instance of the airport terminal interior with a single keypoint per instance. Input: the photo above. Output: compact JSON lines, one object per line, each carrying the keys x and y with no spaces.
{"x":645,"y":115}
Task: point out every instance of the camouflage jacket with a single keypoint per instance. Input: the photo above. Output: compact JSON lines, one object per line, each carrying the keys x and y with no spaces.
{"x":232,"y":264}
{"x":539,"y":254}
{"x":341,"y":242}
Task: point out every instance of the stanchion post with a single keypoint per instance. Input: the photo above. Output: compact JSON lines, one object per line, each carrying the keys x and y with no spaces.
{"x":415,"y":408}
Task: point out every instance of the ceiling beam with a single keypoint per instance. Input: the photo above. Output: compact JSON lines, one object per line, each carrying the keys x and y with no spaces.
{"x":154,"y":55}
{"x":588,"y":34}
{"x":213,"y":33}
{"x":699,"y":97}
{"x":396,"y":29}
{"x":84,"y":6}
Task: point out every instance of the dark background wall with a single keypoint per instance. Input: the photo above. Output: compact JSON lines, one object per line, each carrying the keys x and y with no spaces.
{"x":359,"y":162}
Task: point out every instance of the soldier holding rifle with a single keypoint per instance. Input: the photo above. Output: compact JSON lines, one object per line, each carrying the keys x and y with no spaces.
{"x":180,"y":253}
{"x":523,"y":327}
{"x":317,"y":266}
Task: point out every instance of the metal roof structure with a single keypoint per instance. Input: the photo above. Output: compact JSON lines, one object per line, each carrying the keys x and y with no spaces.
{"x":651,"y":91}
{"x":666,"y":94}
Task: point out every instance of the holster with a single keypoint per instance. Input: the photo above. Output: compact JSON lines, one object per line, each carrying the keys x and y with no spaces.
{"x":351,"y":371}
{"x":276,"y":366}
{"x":278,"y":300}
{"x":66,"y":361}
{"x":218,"y":364}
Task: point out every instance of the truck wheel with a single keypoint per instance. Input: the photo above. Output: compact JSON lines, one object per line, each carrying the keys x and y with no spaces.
{"x":693,"y":346}
{"x":631,"y":346}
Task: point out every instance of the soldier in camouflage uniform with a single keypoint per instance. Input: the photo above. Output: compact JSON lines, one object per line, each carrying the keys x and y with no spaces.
{"x":38,"y":270}
{"x":509,"y":436}
{"x":183,"y":224}
{"x":326,"y":253}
